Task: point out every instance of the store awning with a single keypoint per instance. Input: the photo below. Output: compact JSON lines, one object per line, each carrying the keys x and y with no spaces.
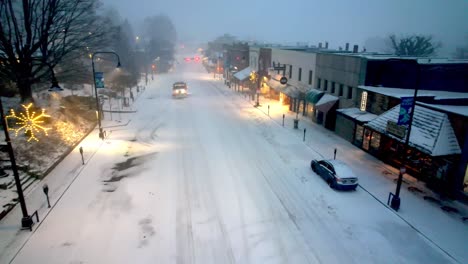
{"x":243,"y":74}
{"x":276,"y":85}
{"x":292,"y":91}
{"x":326,"y":103}
{"x":357,"y":115}
{"x":313,"y":96}
{"x":431,"y":131}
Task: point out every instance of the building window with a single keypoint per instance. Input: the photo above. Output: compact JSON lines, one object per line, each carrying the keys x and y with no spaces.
{"x":333,"y":88}
{"x":350,"y":92}
{"x":319,"y":81}
{"x":358,"y":136}
{"x":310,"y":77}
{"x":290,"y":71}
{"x":325,"y":85}
{"x":299,"y":77}
{"x":375,"y":141}
{"x":340,"y":90}
{"x":363,"y":101}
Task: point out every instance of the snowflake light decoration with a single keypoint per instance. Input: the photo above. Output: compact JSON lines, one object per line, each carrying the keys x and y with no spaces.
{"x":29,"y":122}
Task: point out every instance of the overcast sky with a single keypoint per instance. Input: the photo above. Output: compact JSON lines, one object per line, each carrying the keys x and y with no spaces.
{"x":335,"y":21}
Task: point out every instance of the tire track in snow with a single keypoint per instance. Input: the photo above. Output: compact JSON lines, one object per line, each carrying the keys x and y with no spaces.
{"x":184,"y":229}
{"x":281,"y":190}
{"x":207,"y":191}
{"x":277,"y":220}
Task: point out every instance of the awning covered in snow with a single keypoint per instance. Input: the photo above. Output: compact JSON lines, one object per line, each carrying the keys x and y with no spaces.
{"x":243,"y":74}
{"x":291,"y":89}
{"x":356,"y":114}
{"x":276,"y":85}
{"x":326,"y":102}
{"x":313,"y":96}
{"x":431,"y":131}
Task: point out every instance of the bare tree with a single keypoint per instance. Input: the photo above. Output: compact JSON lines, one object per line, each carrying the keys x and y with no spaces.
{"x":461,"y":52}
{"x":415,"y":45}
{"x":36,"y":35}
{"x":122,"y":43}
{"x":162,"y":37}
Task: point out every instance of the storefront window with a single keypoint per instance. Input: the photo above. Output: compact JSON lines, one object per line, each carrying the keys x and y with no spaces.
{"x":310,"y":109}
{"x":375,"y":141}
{"x":366,"y":139}
{"x":465,"y":182}
{"x":358,"y":135}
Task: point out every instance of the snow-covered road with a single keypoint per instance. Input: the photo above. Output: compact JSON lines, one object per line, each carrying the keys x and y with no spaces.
{"x":206,"y":179}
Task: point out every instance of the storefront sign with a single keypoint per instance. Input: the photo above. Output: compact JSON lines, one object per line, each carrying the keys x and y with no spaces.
{"x":279,"y":68}
{"x":406,"y":106}
{"x":395,"y":129}
{"x":363,"y":101}
{"x":284,"y":80}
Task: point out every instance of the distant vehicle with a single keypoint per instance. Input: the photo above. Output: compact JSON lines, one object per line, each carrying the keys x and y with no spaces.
{"x":187,"y":59}
{"x":179,"y":89}
{"x":336,"y":173}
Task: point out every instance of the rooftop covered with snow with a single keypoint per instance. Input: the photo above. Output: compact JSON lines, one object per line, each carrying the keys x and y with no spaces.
{"x":431,"y":130}
{"x":357,"y":114}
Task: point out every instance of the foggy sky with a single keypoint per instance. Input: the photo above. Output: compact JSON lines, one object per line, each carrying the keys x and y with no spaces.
{"x":335,"y":21}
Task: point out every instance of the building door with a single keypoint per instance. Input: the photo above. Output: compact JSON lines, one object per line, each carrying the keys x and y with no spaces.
{"x":366,"y":139}
{"x":319,"y":117}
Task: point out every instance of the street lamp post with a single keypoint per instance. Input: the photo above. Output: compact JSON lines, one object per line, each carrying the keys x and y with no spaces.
{"x":98,"y":110}
{"x":26,"y":221}
{"x":396,"y":201}
{"x":257,"y":82}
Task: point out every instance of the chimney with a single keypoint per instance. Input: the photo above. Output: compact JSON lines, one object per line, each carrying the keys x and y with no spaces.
{"x":320,"y":45}
{"x":326,"y":45}
{"x":355,"y":48}
{"x":347,"y":47}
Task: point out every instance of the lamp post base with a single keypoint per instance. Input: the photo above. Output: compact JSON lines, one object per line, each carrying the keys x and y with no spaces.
{"x":395,"y":203}
{"x":296,"y":123}
{"x":26,"y":222}
{"x":101,"y":134}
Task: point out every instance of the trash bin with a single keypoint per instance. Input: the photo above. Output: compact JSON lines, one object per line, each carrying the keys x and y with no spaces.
{"x":296,"y":123}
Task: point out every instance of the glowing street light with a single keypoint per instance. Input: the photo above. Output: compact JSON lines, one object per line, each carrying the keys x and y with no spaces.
{"x":98,"y":112}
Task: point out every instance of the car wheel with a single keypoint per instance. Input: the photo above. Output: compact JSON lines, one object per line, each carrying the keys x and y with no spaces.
{"x":312,"y":166}
{"x":331,"y":184}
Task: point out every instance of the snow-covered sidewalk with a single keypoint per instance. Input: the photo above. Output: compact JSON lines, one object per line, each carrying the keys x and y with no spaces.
{"x":421,"y":208}
{"x":58,"y":181}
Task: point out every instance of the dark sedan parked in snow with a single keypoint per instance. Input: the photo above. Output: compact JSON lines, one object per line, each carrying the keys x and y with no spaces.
{"x":336,"y":173}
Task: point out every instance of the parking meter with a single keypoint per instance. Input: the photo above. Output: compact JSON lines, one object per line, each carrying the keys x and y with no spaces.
{"x":45,"y":188}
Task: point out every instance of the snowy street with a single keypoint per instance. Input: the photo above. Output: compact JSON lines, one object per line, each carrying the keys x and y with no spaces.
{"x":211,"y":179}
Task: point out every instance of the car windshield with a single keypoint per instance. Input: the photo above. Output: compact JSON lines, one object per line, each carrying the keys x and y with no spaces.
{"x":179,"y":86}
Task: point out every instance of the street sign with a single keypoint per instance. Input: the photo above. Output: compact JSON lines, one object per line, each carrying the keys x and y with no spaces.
{"x":284,"y":80}
{"x":395,"y":129}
